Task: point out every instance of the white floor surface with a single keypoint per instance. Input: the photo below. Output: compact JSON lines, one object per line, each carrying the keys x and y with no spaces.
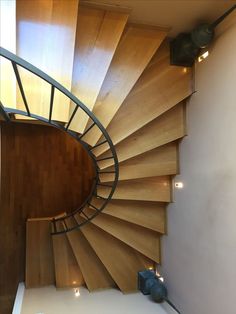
{"x":51,"y":301}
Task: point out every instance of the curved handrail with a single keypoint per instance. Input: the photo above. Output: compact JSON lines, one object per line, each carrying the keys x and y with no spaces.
{"x":59,"y":228}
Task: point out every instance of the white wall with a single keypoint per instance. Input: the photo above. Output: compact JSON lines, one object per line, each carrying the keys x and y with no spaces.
{"x":199,"y":253}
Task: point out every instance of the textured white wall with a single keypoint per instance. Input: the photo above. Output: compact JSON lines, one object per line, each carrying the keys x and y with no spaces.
{"x":199,"y":254}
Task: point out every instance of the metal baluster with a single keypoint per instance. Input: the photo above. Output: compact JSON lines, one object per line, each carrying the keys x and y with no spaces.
{"x":84,"y":215}
{"x":72,"y":116}
{"x":91,"y":126}
{"x":4,"y":114}
{"x":54,"y":225}
{"x":21,"y":87}
{"x":105,"y":158}
{"x":93,"y":207}
{"x":51,"y":103}
{"x":97,"y":145}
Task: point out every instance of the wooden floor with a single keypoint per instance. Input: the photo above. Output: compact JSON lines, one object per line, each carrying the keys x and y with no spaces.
{"x":43,"y":172}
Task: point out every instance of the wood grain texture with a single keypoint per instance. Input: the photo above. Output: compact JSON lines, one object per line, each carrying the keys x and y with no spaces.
{"x":133,"y":53}
{"x":44,"y":172}
{"x":94,"y":50}
{"x":7,"y":41}
{"x":120,"y":260}
{"x":141,"y":239}
{"x":7,"y":303}
{"x":146,"y":189}
{"x":151,"y":215}
{"x":160,"y":87}
{"x":45,"y":35}
{"x":157,"y":162}
{"x":67,"y":271}
{"x":165,"y":129}
{"x":95,"y":274}
{"x":39,"y":270}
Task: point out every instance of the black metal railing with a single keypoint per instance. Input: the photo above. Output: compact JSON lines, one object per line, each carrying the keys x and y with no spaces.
{"x":81,"y":215}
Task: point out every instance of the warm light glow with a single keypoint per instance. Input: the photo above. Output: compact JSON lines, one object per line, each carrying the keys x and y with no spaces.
{"x":74,"y":282}
{"x":185,"y":70}
{"x":7,"y":41}
{"x":203,"y":56}
{"x":179,"y":185}
{"x":77,"y":293}
{"x":161,"y":279}
{"x":150,"y":268}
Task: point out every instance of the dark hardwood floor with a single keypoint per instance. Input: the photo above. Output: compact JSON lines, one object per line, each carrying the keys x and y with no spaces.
{"x":43,"y":172}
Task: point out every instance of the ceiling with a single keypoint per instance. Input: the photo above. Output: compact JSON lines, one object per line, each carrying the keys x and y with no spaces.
{"x":181,"y":16}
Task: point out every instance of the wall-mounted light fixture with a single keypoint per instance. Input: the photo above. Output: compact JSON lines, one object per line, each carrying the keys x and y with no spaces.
{"x":186,"y":47}
{"x":203,"y":56}
{"x":179,"y":185}
{"x":77,"y":293}
{"x":150,"y":282}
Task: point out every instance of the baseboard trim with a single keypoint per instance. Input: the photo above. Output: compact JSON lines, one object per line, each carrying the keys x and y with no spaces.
{"x":19,"y":298}
{"x":168,"y":308}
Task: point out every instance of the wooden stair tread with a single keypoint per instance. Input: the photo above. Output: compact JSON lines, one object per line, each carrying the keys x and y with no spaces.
{"x":67,"y":271}
{"x":141,"y":239}
{"x":157,"y":162}
{"x":165,"y":129}
{"x":45,"y":35}
{"x":160,"y":87}
{"x":7,"y":41}
{"x":94,"y":50}
{"x":151,"y":215}
{"x":132,"y":55}
{"x":120,"y":260}
{"x":147,"y":189}
{"x":39,"y":255}
{"x":95,"y":274}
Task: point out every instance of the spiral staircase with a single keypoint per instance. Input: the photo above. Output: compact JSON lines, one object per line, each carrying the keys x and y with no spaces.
{"x":120,"y":98}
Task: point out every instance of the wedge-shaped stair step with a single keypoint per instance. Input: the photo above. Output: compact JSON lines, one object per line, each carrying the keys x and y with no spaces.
{"x":143,"y":240}
{"x":94,"y":272}
{"x":120,"y":260}
{"x":97,"y":36}
{"x":46,"y":38}
{"x":157,"y":162}
{"x":7,"y":41}
{"x":39,"y":255}
{"x":133,"y":53}
{"x":165,"y":129}
{"x":151,"y":215}
{"x":147,"y":189}
{"x":160,"y":87}
{"x":67,"y":271}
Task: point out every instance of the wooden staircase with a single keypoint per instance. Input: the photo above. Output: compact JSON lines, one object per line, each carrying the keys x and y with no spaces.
{"x":121,"y":72}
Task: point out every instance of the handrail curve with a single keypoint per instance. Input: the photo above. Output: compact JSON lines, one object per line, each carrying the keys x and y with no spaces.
{"x":60,"y":224}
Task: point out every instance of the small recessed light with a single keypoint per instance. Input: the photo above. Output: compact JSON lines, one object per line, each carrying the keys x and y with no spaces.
{"x":203,"y":56}
{"x":77,"y":293}
{"x":179,"y":185}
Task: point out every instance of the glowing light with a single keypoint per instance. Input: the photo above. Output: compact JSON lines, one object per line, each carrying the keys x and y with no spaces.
{"x":161,"y":279}
{"x":203,"y":56}
{"x":77,"y":293}
{"x":179,"y":185}
{"x":185,"y":70}
{"x":150,"y":268}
